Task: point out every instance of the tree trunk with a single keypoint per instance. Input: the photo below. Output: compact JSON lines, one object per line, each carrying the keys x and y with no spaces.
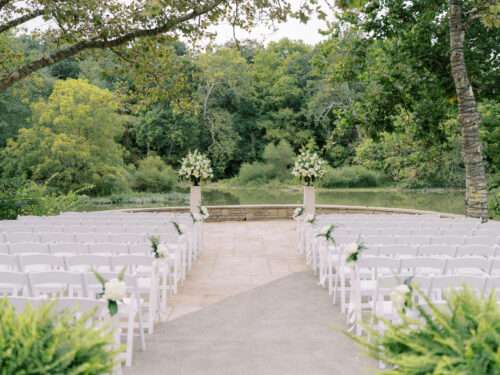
{"x":476,"y":193}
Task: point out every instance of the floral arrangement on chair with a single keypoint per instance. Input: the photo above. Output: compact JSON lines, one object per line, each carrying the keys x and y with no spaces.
{"x":178,"y":227}
{"x":201,"y":215}
{"x":113,"y":291}
{"x":309,"y":167}
{"x":196,"y":167}
{"x":354,"y":250}
{"x":298,"y":212}
{"x":310,"y":218}
{"x":326,"y":232}
{"x":159,"y":250}
{"x":401,"y":296}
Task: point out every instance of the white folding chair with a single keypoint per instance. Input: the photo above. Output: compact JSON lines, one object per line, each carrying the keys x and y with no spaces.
{"x":478,"y":266}
{"x":54,"y":237}
{"x":56,"y":284}
{"x":28,"y":248}
{"x":423,"y":266}
{"x":41,"y":262}
{"x":9,"y":263}
{"x":475,"y":250}
{"x":437,"y":250}
{"x":13,"y":283}
{"x":130,"y":309}
{"x":88,"y":262}
{"x":68,"y":248}
{"x":398,"y":251}
{"x":15,"y":237}
{"x":108,"y":248}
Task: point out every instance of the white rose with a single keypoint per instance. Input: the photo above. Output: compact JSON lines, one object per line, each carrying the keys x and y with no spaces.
{"x":162,"y":250}
{"x":115,"y":290}
{"x":398,"y":296}
{"x":351,"y":249}
{"x":324,"y":231}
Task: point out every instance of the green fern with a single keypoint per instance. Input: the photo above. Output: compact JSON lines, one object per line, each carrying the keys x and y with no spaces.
{"x":41,"y":341}
{"x":462,"y":339}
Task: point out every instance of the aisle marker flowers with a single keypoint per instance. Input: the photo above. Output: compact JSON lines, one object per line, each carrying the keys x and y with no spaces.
{"x":401,"y":296}
{"x":201,"y":215}
{"x":326,"y":232}
{"x":196,"y":167}
{"x":159,"y":249}
{"x":354,"y":250}
{"x":298,"y":212}
{"x":178,"y":227}
{"x":309,"y":167}
{"x":310,"y":218}
{"x":113,"y":291}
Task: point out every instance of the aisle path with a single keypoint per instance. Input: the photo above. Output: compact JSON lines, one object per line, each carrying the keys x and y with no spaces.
{"x":250,"y":306}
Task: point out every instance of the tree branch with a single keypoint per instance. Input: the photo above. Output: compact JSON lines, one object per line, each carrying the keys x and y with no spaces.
{"x":20,"y":20}
{"x":27,"y":69}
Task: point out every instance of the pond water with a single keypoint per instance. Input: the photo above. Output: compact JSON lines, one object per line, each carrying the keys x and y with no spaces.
{"x":443,"y":201}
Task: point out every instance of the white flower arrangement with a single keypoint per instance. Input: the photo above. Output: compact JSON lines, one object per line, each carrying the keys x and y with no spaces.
{"x":310,"y":218}
{"x":309,"y":167}
{"x":113,"y":291}
{"x":326,"y":232}
{"x":353,"y":251}
{"x":196,"y":167}
{"x":298,"y":212}
{"x":179,"y":228}
{"x":204,"y":213}
{"x":401,"y":297}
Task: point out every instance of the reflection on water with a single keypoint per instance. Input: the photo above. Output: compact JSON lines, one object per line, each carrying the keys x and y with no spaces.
{"x":451,"y":201}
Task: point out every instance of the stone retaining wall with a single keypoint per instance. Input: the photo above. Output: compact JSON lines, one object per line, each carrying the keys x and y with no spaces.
{"x":284,"y":212}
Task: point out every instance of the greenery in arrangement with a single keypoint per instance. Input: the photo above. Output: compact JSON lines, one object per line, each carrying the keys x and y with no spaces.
{"x":195,"y":168}
{"x":462,"y":338}
{"x":42,"y":341}
{"x":308,"y":167}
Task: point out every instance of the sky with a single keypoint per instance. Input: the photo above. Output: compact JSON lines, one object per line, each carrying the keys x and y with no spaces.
{"x":292,"y":29}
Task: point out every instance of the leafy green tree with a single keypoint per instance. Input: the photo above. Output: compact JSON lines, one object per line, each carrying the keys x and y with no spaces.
{"x":153,"y":175}
{"x":72,"y":142}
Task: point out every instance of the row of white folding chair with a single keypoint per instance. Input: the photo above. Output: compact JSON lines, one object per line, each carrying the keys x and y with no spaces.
{"x":433,"y":250}
{"x":55,"y":285}
{"x":84,"y":237}
{"x":63,"y":248}
{"x":417,"y":239}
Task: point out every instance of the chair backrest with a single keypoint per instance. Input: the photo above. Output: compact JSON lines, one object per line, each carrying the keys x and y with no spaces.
{"x":423,"y":265}
{"x":490,"y":241}
{"x":468,"y":266}
{"x":41,"y":262}
{"x":130,"y":238}
{"x":9,"y":262}
{"x":68,"y":248}
{"x":414,"y":240}
{"x":475,"y":250}
{"x":52,"y":237}
{"x":12,"y":283}
{"x":57,"y":284}
{"x":448,"y":240}
{"x":108,"y":248}
{"x":379,"y":265}
{"x":437,"y":250}
{"x":21,"y":303}
{"x":457,"y":282}
{"x":92,"y":237}
{"x":88,"y":262}
{"x":398,"y":251}
{"x":14,"y":237}
{"x":28,"y":248}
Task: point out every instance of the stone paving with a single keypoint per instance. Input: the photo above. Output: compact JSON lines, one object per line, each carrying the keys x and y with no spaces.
{"x":251,"y":306}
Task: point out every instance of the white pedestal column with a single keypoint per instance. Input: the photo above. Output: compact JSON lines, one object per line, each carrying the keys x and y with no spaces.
{"x":309,"y":200}
{"x":195,"y":199}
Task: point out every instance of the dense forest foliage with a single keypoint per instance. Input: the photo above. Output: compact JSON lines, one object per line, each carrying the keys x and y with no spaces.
{"x":375,"y":99}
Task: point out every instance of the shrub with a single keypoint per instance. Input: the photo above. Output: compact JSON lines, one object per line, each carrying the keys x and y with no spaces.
{"x":276,"y":166}
{"x":256,"y":173}
{"x":18,"y":197}
{"x":154,"y":176}
{"x":462,"y":339}
{"x":353,"y":176}
{"x":41,"y":341}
